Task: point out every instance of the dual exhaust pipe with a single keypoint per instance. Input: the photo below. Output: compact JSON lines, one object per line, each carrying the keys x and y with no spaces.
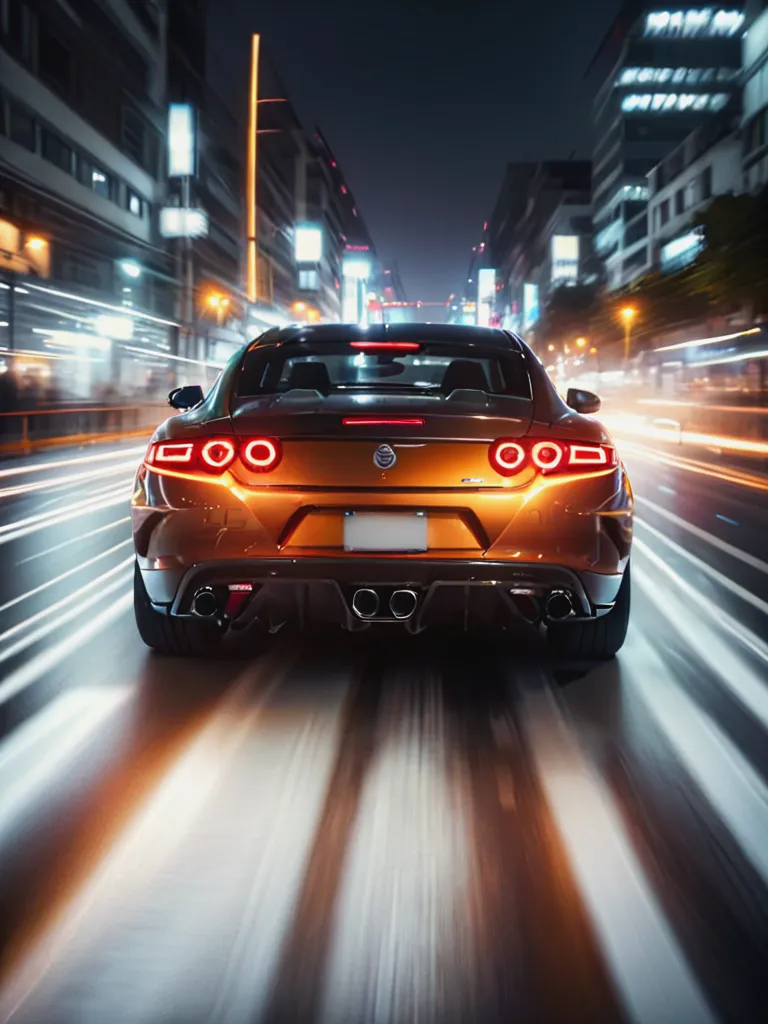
{"x":366,"y":603}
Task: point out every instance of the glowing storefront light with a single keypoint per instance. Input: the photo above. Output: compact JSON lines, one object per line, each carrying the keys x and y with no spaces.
{"x":681,"y":251}
{"x":706,"y":21}
{"x":486,"y":293}
{"x":565,"y":259}
{"x":530,"y":305}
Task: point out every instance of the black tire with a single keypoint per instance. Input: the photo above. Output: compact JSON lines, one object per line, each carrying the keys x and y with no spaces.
{"x":598,"y":639}
{"x":166,"y":634}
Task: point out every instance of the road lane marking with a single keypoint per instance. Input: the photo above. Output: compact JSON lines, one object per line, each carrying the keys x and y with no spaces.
{"x":720,"y":578}
{"x":653,"y":978}
{"x":733,"y":788}
{"x":710,"y":538}
{"x":153,"y":834}
{"x":48,"y":659}
{"x":738,"y":677}
{"x":35,"y":752}
{"x":115,"y":453}
{"x":720,"y":617}
{"x":75,"y":540}
{"x":63,"y":576}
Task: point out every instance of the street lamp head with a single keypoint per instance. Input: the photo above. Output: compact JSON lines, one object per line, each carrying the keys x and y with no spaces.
{"x":550,"y":348}
{"x":35,"y":244}
{"x":581,"y":342}
{"x":628,"y":314}
{"x":215,"y":300}
{"x":593,"y":351}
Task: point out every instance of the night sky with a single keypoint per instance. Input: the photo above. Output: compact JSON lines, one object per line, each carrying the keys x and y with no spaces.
{"x":424,"y":109}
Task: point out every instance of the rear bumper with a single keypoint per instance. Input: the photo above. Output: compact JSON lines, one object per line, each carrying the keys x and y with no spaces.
{"x":449,"y":591}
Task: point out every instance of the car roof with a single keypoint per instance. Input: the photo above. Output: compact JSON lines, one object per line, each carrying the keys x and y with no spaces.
{"x":457,"y":334}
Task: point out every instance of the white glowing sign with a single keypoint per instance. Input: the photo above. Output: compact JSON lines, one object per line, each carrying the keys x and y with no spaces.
{"x":357,"y":268}
{"x":486,"y":294}
{"x":675,"y":76}
{"x":308,"y":244}
{"x":119,"y":328}
{"x":530,"y":305}
{"x":181,"y":222}
{"x":182,"y":139}
{"x":707,"y":21}
{"x":664,"y":102}
{"x":565,"y":259}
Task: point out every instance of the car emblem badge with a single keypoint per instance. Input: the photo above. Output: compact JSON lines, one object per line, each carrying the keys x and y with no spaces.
{"x":384,"y":457}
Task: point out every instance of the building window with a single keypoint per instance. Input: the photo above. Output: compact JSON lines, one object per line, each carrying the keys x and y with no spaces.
{"x":56,"y":151}
{"x":309,"y":280}
{"x":133,"y":136}
{"x":134,"y":204}
{"x":95,"y":178}
{"x":664,"y":211}
{"x":679,"y":202}
{"x":21,"y":127}
{"x":706,"y":183}
{"x":54,"y":60}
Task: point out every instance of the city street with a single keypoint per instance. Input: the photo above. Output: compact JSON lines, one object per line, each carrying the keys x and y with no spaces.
{"x":354,"y":829}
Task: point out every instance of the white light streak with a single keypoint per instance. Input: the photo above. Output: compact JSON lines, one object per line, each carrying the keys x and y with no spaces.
{"x":57,"y":464}
{"x":23,"y":527}
{"x":72,"y":478}
{"x":698,"y":342}
{"x":75,"y":540}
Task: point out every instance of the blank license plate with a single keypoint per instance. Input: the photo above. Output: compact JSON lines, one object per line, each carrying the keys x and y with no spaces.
{"x":372,"y":531}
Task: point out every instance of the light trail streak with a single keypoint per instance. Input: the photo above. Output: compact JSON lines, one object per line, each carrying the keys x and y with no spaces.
{"x":35,"y":753}
{"x":710,"y":538}
{"x":637,"y":425}
{"x":731,"y":785}
{"x":63,"y":481}
{"x":722,"y":618}
{"x":727,"y":475}
{"x":733,"y":671}
{"x":720,"y":578}
{"x":157,"y":829}
{"x":75,"y":461}
{"x":23,"y":527}
{"x":78,"y":602}
{"x":51,"y":657}
{"x":75,"y":540}
{"x":63,"y":576}
{"x":636,"y":940}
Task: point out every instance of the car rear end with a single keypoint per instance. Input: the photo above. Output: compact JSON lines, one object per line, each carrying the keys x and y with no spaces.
{"x":414,"y":475}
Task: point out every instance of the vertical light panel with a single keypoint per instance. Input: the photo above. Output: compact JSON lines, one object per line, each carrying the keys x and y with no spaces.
{"x":250,"y":199}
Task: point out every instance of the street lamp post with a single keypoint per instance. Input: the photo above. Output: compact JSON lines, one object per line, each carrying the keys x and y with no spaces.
{"x":628,"y":315}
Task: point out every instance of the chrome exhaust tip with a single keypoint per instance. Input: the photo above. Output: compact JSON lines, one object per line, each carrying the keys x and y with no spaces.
{"x":559,"y":605}
{"x":205,"y":603}
{"x":403,"y":603}
{"x":365,"y":603}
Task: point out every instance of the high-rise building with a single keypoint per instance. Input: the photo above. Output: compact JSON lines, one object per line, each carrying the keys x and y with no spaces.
{"x":755,"y":113}
{"x":660,"y":73}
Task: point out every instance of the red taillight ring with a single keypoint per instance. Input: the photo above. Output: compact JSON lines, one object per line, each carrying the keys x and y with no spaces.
{"x":270,"y":458}
{"x":545,"y":461}
{"x":218,"y":454}
{"x":506,"y":457}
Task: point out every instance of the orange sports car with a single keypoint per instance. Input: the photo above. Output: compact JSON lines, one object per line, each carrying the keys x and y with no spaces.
{"x":409,"y":474}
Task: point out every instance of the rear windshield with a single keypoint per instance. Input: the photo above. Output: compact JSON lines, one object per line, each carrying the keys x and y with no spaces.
{"x":434,"y":368}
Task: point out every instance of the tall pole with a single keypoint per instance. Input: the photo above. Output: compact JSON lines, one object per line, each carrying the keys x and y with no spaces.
{"x":627,"y":330}
{"x":252,"y":288}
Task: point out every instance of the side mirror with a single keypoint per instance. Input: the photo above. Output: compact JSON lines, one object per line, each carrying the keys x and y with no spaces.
{"x":582,"y":401}
{"x":187,"y":397}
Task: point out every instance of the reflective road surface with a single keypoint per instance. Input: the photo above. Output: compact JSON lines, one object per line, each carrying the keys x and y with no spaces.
{"x":354,"y":830}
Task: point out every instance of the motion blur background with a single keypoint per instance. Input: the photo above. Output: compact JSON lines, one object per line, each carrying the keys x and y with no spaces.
{"x":442,"y":830}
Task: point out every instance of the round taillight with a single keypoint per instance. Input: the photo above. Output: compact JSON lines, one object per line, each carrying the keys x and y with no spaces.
{"x":217,"y":455}
{"x":261,"y":454}
{"x":507,"y":457}
{"x":547,"y":455}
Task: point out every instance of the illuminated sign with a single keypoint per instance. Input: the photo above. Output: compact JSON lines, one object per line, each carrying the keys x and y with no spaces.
{"x":675,"y":76}
{"x":707,"y":21}
{"x":565,"y":259}
{"x":308,"y":244}
{"x":665,"y":102}
{"x":530,"y":305}
{"x":486,"y":293}
{"x":182,"y":141}
{"x":182,"y":222}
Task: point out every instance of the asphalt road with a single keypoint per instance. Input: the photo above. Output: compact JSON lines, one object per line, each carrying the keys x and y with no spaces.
{"x":348,"y":830}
